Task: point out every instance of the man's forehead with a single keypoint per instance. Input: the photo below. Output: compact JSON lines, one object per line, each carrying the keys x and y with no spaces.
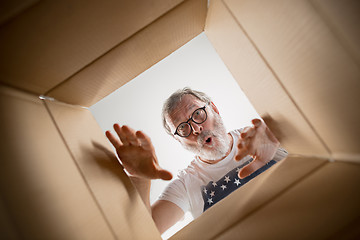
{"x":180,"y":109}
{"x":185,"y":107}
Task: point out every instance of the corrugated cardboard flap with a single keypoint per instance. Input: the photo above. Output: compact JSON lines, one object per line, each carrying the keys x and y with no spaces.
{"x":53,"y":40}
{"x":253,"y":196}
{"x":134,"y":55}
{"x":109,"y":184}
{"x":309,"y":48}
{"x":260,"y":83}
{"x":320,"y":206}
{"x":42,"y":190}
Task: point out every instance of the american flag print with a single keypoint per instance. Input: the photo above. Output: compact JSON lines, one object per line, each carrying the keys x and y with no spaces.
{"x":213,"y":192}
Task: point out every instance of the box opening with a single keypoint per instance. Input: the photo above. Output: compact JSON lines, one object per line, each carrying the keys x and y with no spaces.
{"x":298,"y":62}
{"x":138,"y":103}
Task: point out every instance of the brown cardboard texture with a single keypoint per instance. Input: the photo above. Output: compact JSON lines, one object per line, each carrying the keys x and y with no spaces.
{"x":298,"y":62}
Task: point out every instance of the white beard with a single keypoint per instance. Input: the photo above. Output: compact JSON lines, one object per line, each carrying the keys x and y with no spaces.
{"x":219,"y":136}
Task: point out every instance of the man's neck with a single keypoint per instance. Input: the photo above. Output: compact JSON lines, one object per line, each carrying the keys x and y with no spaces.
{"x":227,"y":153}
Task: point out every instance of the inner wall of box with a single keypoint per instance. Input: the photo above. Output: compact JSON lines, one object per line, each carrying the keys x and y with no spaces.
{"x":138,"y":103}
{"x":293,"y":77}
{"x":88,"y":154}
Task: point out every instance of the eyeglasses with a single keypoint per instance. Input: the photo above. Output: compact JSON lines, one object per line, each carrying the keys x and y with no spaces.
{"x":199,"y":116}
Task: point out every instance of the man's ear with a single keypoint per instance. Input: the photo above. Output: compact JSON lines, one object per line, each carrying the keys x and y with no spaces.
{"x":214,"y":108}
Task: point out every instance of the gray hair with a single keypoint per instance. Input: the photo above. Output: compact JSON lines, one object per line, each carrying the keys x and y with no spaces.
{"x":171,"y":103}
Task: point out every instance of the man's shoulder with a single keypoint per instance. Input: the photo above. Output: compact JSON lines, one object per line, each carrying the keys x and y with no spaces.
{"x":191,"y":170}
{"x":237,"y":131}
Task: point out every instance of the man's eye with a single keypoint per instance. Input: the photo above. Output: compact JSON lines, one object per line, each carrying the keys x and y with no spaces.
{"x":197,"y":112}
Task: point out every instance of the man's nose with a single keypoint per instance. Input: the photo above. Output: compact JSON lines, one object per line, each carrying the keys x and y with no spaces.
{"x":197,"y":128}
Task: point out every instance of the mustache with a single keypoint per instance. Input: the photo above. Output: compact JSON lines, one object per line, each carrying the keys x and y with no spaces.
{"x":203,"y":136}
{"x":218,"y":124}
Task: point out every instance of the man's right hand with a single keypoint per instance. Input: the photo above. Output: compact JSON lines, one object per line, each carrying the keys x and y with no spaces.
{"x":136,"y":153}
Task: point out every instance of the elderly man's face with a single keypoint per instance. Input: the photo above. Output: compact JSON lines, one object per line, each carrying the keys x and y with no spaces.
{"x":209,"y":140}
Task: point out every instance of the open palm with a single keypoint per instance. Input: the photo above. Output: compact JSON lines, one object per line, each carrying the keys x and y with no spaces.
{"x":136,"y":153}
{"x":258,"y":142}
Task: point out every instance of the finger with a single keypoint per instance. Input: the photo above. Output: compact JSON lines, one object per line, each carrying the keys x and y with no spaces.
{"x":244,"y":143}
{"x":245,"y":129}
{"x":256,"y":122}
{"x":114,"y":140}
{"x":250,"y":132}
{"x":144,"y":140}
{"x":164,"y":174}
{"x":242,"y":150}
{"x":241,"y":154}
{"x":130,"y":135}
{"x":121,"y":134}
{"x":250,"y":168}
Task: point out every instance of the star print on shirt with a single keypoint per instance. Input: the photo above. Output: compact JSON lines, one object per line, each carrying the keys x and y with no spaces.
{"x":227,"y":179}
{"x":213,"y":192}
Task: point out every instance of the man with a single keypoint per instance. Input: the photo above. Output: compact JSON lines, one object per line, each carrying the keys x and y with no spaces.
{"x":219,"y":165}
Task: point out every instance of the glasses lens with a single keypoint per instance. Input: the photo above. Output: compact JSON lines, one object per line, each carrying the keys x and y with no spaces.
{"x":199,"y":116}
{"x":184,"y":129}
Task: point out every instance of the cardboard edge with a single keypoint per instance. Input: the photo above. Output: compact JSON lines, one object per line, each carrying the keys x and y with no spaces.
{"x":255,"y":195}
{"x":133,"y":205}
{"x":12,"y":10}
{"x":21,"y":219}
{"x":295,"y":123}
{"x":324,"y":203}
{"x":100,"y":68}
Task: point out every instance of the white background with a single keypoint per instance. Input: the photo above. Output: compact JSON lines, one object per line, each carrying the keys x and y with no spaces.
{"x":138,"y":103}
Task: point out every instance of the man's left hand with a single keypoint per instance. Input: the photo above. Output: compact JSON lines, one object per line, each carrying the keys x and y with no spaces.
{"x":259,"y":143}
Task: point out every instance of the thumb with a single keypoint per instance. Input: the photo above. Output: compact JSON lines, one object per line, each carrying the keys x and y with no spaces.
{"x":246,"y":171}
{"x":164,"y":174}
{"x":250,"y":168}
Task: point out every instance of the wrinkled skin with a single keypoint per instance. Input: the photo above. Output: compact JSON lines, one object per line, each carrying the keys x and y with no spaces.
{"x":259,"y":143}
{"x":136,"y":153}
{"x":138,"y":157}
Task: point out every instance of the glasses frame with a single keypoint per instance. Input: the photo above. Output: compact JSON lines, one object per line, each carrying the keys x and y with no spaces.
{"x":191,"y":119}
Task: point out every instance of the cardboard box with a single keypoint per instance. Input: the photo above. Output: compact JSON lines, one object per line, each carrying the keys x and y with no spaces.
{"x":298,"y":62}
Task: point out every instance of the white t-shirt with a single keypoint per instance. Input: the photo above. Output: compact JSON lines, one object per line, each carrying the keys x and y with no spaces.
{"x":201,"y":185}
